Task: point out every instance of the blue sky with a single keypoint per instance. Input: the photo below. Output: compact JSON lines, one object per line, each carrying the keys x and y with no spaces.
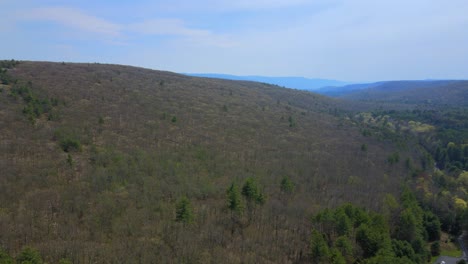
{"x":350,"y":40}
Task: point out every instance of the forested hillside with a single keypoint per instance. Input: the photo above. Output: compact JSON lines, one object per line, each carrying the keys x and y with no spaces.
{"x":447,"y":93}
{"x":117,"y":164}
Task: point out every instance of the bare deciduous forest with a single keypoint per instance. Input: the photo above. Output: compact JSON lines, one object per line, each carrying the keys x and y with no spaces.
{"x":116,"y":164}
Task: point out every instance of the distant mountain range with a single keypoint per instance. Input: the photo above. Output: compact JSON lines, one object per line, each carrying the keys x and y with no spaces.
{"x":433,"y":92}
{"x":300,"y":83}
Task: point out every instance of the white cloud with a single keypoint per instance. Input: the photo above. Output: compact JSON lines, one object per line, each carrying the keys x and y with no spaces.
{"x":113,"y":33}
{"x":75,"y":19}
{"x":177,"y":27}
{"x":174,"y":27}
{"x":227,"y":6}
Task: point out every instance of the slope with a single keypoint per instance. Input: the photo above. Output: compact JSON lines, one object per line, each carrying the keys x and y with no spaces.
{"x":430,"y":93}
{"x":96,"y":157}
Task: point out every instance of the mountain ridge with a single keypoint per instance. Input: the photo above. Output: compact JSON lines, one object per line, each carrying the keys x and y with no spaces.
{"x":301,"y":83}
{"x":429,"y":92}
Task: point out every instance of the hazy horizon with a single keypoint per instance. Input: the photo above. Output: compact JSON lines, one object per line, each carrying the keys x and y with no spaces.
{"x":358,"y":41}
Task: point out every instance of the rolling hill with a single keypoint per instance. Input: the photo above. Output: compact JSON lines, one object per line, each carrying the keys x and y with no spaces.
{"x":435,"y":93}
{"x":96,"y":158}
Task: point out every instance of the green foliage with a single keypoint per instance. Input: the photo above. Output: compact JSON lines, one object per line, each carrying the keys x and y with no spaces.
{"x":287,"y":186}
{"x":70,"y":144}
{"x":234,"y":201}
{"x":53,"y":116}
{"x":336,"y":257}
{"x":319,"y":250}
{"x":435,"y":249}
{"x":432,"y":226}
{"x":366,"y":132}
{"x":403,"y":249}
{"x":393,"y":158}
{"x":184,"y":211}
{"x":364,"y":147}
{"x":5,"y":78}
{"x":251,"y":192}
{"x":349,"y":230}
{"x":35,"y":106}
{"x":371,"y":240}
{"x":387,"y":257}
{"x":65,"y":261}
{"x":29,"y":256}
{"x":68,"y":139}
{"x":174,"y":119}
{"x":344,"y":245}
{"x":5,"y":258}
{"x":70,"y":161}
{"x":343,"y":223}
{"x":8,"y":64}
{"x":292,"y":121}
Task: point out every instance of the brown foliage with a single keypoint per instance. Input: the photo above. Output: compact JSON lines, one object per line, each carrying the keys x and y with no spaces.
{"x":115,"y":202}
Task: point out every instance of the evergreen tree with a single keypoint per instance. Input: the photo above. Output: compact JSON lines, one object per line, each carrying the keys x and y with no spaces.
{"x":184,"y":212}
{"x":319,"y":250}
{"x":251,"y":192}
{"x":287,"y":186}
{"x":234,"y":201}
{"x":435,"y":249}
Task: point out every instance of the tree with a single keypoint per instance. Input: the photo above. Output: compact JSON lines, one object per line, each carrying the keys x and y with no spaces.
{"x":371,"y":239}
{"x":344,"y":245}
{"x":5,"y":257}
{"x":336,"y":257}
{"x":410,"y":225}
{"x":435,"y":249}
{"x":292,"y":122}
{"x":342,"y":222}
{"x":252,"y":193}
{"x":234,"y":201}
{"x":403,"y":249}
{"x":393,"y":158}
{"x":364,"y":147}
{"x":387,"y":257}
{"x":29,"y":256}
{"x":287,"y":186}
{"x":319,"y":250}
{"x":184,"y":212}
{"x":432,"y":226}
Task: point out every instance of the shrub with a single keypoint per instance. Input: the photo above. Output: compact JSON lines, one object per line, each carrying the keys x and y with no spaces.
{"x":70,"y":144}
{"x":30,"y":256}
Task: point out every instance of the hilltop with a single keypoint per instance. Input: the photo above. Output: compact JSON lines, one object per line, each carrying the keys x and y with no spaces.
{"x":96,"y":158}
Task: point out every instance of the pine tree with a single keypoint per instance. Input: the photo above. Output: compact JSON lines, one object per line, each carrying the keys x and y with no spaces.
{"x":234,"y":201}
{"x":184,"y":212}
{"x":287,"y":186}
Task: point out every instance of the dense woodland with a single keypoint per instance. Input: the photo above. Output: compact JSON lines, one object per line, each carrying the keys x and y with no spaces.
{"x":117,"y":164}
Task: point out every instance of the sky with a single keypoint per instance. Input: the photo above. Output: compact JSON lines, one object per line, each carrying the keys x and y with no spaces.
{"x":348,"y":40}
